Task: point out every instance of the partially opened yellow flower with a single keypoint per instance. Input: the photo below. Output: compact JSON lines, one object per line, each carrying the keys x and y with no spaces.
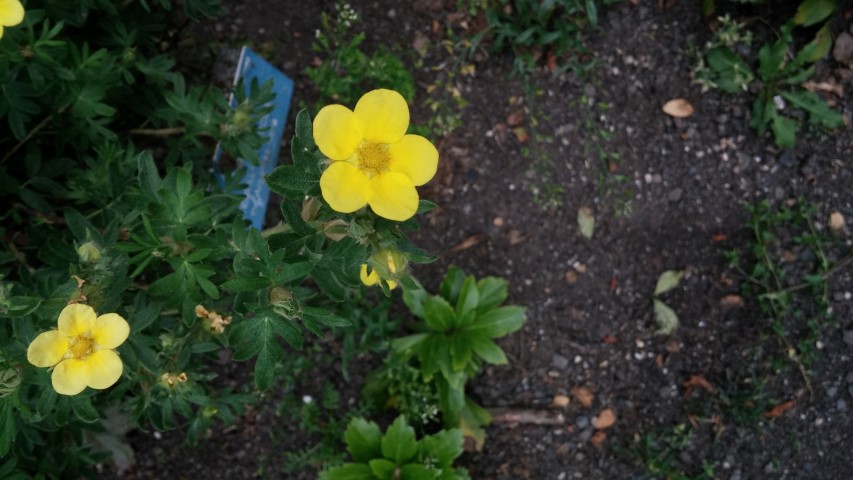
{"x":374,"y":162}
{"x":11,"y":13}
{"x":81,"y":350}
{"x":370,"y":277}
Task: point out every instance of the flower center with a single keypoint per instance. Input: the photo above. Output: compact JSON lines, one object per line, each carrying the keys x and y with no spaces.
{"x":81,"y":346}
{"x":373,"y":158}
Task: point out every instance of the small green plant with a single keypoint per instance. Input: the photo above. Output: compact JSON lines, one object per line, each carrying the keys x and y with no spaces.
{"x":782,"y":105}
{"x":346,"y":71}
{"x":658,"y":453}
{"x":534,"y":30}
{"x":458,"y":331}
{"x":786,"y":270}
{"x":398,"y":454}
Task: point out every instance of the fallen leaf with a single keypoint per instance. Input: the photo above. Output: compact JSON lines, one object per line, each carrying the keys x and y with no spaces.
{"x":560,"y":401}
{"x":468,"y":242}
{"x":515,"y":237}
{"x":515,"y":118}
{"x":832,"y":87}
{"x":598,"y":439}
{"x":666,"y":318}
{"x":668,"y":280}
{"x":836,"y":221}
{"x":678,"y":108}
{"x":586,"y":222}
{"x":731,"y":301}
{"x":697,"y":381}
{"x":583,"y":395}
{"x":780,"y":409}
{"x":605,"y":419}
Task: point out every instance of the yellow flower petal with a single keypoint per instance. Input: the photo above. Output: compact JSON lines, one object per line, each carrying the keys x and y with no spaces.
{"x":76,"y":319}
{"x":415,"y":157}
{"x":336,"y":132}
{"x":392,"y":284}
{"x":344,"y":187}
{"x":47,"y":349}
{"x":368,"y":279}
{"x":393,"y":196}
{"x":110,"y":330}
{"x":384,"y":116}
{"x":1,"y":31}
{"x":11,"y":13}
{"x":103,"y":369}
{"x":69,"y":377}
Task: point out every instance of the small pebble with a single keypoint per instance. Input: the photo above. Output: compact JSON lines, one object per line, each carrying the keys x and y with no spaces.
{"x":848,"y":337}
{"x":582,"y":422}
{"x":558,"y":361}
{"x":841,"y":405}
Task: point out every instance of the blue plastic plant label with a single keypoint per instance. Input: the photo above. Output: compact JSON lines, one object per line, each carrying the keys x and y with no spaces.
{"x":252,"y":67}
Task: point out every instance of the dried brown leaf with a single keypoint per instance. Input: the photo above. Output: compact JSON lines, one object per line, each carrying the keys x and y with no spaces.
{"x":780,"y":409}
{"x":731,"y":301}
{"x":678,"y":108}
{"x":605,"y":419}
{"x":698,"y":381}
{"x":584,"y":396}
{"x":468,"y":242}
{"x":598,"y":439}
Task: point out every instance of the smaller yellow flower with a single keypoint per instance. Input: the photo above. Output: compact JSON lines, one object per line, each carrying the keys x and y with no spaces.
{"x":11,"y":14}
{"x":372,"y":278}
{"x":81,"y":350}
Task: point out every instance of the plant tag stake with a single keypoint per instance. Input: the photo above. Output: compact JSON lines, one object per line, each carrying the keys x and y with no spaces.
{"x":250,"y":67}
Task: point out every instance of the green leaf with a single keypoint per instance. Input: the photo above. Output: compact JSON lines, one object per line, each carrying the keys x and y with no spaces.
{"x":460,"y":351}
{"x":325,"y":317}
{"x":438,"y":313}
{"x":7,"y":426}
{"x":287,"y":179}
{"x":771,"y":57}
{"x":586,"y":222}
{"x":425,"y":206}
{"x":498,"y":322}
{"x":414,"y":296}
{"x":257,"y":336}
{"x":363,"y":440}
{"x":666,"y":318}
{"x":349,"y":471}
{"x":399,"y":444}
{"x":451,"y":400}
{"x":383,"y":469}
{"x":668,"y":280}
{"x":591,"y":12}
{"x":404,"y":344}
{"x":784,"y":130}
{"x":469,"y":297}
{"x":493,"y":292}
{"x":452,"y":284}
{"x":813,"y":11}
{"x":445,"y":446}
{"x":819,"y":112}
{"x":247,"y":284}
{"x":488,"y":350}
{"x":416,"y":471}
{"x":148,"y":178}
{"x":290,"y":272}
{"x":816,"y":49}
{"x":83,"y":409}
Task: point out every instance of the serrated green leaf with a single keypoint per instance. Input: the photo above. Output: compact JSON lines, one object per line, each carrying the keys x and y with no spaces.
{"x":819,"y":112}
{"x":363,"y":440}
{"x":325,"y":317}
{"x":383,"y":469}
{"x":668,"y":280}
{"x":811,"y":12}
{"x":399,"y":444}
{"x":288,"y":179}
{"x":666,"y":318}
{"x":493,"y":292}
{"x":438,"y":314}
{"x":469,"y":298}
{"x":498,"y":322}
{"x":784,"y":130}
{"x":444,"y":446}
{"x":488,"y":350}
{"x":460,"y":351}
{"x":771,"y":58}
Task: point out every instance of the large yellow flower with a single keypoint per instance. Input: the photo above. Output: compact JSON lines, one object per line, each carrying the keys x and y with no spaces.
{"x":11,"y":13}
{"x":81,"y":349}
{"x":370,"y":277}
{"x":374,"y":162}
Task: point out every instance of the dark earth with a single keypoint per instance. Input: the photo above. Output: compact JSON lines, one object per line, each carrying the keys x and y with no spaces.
{"x":590,"y":320}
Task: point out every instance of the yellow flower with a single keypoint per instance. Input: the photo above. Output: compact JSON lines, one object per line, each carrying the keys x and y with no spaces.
{"x":372,"y":278}
{"x":374,"y":162}
{"x":11,"y":13}
{"x":81,"y":350}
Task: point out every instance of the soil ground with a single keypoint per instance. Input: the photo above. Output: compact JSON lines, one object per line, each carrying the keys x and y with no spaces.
{"x":589,"y":302}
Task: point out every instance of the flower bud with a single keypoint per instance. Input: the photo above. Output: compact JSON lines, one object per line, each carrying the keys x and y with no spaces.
{"x":89,"y":252}
{"x":310,"y":208}
{"x":336,"y":230}
{"x":209,"y":411}
{"x":390,"y":264}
